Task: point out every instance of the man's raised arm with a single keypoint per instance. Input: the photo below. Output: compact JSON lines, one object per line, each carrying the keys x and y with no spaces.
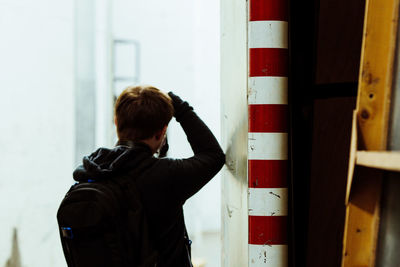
{"x":193,"y":173}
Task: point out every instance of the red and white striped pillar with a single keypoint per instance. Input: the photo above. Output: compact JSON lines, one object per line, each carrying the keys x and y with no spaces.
{"x":268,"y":133}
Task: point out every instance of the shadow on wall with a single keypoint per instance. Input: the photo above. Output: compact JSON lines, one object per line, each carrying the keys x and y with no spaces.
{"x":236,"y":158}
{"x":15,"y":258}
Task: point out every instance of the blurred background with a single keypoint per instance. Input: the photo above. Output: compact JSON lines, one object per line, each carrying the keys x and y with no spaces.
{"x":62,"y":63}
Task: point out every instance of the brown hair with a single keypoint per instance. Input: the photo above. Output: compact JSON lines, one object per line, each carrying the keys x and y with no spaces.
{"x":142,"y":111}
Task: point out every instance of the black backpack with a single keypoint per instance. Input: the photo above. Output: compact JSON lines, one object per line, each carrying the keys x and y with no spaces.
{"x":102,"y":223}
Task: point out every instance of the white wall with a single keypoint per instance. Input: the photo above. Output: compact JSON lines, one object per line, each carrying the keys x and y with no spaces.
{"x":234,"y":135}
{"x":104,"y":125}
{"x":36,"y":107}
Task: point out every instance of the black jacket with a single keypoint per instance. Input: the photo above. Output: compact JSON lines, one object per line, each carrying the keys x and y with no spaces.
{"x":165,"y":184}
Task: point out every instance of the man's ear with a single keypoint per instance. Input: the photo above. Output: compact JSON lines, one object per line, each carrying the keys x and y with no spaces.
{"x":161,"y":133}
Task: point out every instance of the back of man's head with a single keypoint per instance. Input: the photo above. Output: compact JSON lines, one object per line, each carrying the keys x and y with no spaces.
{"x":141,"y":112}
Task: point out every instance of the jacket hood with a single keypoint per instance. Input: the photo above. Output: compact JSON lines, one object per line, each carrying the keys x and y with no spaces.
{"x":104,"y":163}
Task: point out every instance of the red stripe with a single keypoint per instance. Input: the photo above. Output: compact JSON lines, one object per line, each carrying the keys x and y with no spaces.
{"x":268,"y":62}
{"x":268,"y":173}
{"x":268,"y":118}
{"x":268,"y":230}
{"x":269,"y":10}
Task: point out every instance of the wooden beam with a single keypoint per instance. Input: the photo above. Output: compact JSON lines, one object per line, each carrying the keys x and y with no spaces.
{"x":389,"y":161}
{"x":376,"y":72}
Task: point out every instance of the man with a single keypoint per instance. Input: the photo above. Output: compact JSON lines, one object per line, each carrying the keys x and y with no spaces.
{"x":142,"y":114}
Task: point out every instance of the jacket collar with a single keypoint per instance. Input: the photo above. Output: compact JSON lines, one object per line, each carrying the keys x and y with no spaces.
{"x":132,"y":144}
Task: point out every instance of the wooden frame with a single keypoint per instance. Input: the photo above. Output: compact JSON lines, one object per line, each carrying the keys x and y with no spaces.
{"x":370,"y":127}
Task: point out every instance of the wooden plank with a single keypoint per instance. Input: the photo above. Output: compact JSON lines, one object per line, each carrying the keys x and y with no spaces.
{"x":362,"y":219}
{"x":379,"y":159}
{"x":375,"y":81}
{"x":376,"y":71}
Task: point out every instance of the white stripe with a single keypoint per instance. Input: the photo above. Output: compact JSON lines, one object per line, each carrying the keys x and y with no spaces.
{"x":271,"y":256}
{"x":272,"y":146}
{"x":268,"y":201}
{"x":268,"y":34}
{"x":268,"y":90}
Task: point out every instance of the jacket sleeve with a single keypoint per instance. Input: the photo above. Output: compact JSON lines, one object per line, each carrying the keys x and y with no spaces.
{"x":191,"y":174}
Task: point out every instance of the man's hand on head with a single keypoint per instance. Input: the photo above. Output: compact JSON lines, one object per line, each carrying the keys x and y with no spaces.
{"x":176,"y":102}
{"x":180,"y":106}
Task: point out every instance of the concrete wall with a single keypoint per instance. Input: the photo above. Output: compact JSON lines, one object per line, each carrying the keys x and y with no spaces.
{"x":93,"y":96}
{"x":56,"y":106}
{"x":234,"y":132}
{"x":37,"y":125}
